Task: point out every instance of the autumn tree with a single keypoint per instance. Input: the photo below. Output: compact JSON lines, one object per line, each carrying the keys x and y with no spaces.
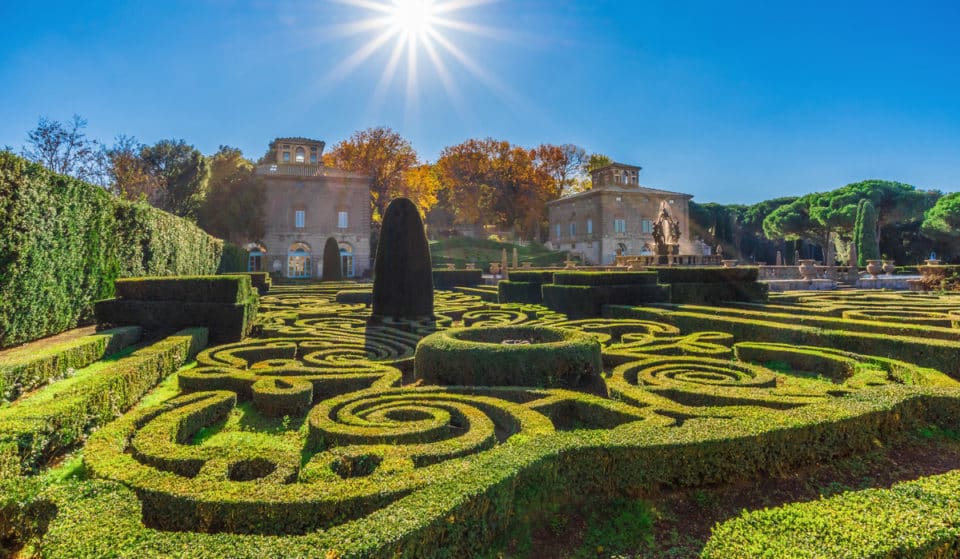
{"x":387,"y":157}
{"x":233,"y":208}
{"x":464,"y":169}
{"x":183,"y":173}
{"x":421,"y":185}
{"x":128,"y":173}
{"x":492,"y":182}
{"x":64,"y":148}
{"x":589,"y":164}
{"x":565,"y":164}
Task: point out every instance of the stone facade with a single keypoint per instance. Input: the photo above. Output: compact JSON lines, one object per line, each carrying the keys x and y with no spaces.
{"x":305,"y":204}
{"x":617,"y":213}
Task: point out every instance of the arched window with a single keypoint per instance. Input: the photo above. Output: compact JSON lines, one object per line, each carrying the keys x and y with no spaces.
{"x":301,"y":155}
{"x":298,"y":260}
{"x":256,"y":257}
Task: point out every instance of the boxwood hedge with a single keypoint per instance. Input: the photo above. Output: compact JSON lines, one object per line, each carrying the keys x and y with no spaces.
{"x":384,"y":465}
{"x":66,"y":241}
{"x":26,"y":368}
{"x":40,"y":426}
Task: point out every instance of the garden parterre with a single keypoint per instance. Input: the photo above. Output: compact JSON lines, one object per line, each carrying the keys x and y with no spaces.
{"x":320,"y":437}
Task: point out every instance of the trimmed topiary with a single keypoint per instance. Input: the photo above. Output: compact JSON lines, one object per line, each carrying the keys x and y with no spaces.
{"x":282,"y":396}
{"x":331,"y":261}
{"x":402,"y":275}
{"x":509,"y":356}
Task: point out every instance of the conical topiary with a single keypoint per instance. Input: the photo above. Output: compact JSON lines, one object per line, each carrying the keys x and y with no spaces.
{"x":402,"y":275}
{"x":331,"y":261}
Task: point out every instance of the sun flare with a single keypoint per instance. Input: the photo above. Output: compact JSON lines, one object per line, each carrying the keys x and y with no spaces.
{"x":414,"y":18}
{"x":411,"y":30}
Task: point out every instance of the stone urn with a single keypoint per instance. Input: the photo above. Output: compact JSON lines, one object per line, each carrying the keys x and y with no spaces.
{"x":889,"y":268}
{"x":808,"y":269}
{"x":729,"y":263}
{"x":874,"y":268}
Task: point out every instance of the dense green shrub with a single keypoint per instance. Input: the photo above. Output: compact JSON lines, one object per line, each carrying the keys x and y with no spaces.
{"x":226,"y":305}
{"x":402,"y":280}
{"x":915,"y":519}
{"x":234,"y":259}
{"x":150,"y":242}
{"x":715,"y":292}
{"x":354,"y":296}
{"x":26,"y":368}
{"x":471,"y":504}
{"x":59,"y":416}
{"x":278,"y":396}
{"x":604,"y":278}
{"x":382,"y":469}
{"x":259,"y":280}
{"x":331,"y":261}
{"x":706,"y":275}
{"x":583,"y":301}
{"x":197,"y":289}
{"x":509,"y":291}
{"x":64,"y":241}
{"x":539,"y":356}
{"x":448,"y":279}
{"x":943,"y":355}
{"x":532,"y":276}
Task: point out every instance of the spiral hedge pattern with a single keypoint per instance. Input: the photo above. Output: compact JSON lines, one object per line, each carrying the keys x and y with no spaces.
{"x":320,"y":437}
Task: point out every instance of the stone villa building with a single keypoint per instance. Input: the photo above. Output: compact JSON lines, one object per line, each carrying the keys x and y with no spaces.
{"x":305,"y":204}
{"x":616,"y":214}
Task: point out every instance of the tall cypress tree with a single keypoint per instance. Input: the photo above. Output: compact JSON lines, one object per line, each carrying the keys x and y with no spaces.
{"x":331,"y":261}
{"x":402,"y":275}
{"x":865,"y":233}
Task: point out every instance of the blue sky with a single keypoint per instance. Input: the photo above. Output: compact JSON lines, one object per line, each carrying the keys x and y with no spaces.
{"x":730,"y":101}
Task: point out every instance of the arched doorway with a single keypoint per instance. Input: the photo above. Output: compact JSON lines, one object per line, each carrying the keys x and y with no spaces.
{"x":346,"y":260}
{"x":298,"y":261}
{"x":256,"y":257}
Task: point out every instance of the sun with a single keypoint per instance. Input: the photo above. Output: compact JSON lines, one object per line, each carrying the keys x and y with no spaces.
{"x":413,"y":18}
{"x":411,"y":30}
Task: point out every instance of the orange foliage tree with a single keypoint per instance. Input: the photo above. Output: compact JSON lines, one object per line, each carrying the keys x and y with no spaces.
{"x":390,"y":160}
{"x":492,"y":182}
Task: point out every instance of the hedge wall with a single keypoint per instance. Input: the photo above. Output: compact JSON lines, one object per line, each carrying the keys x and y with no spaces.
{"x":27,"y":368}
{"x":64,"y":241}
{"x":448,"y":279}
{"x":226,"y":304}
{"x":234,"y":259}
{"x":918,"y":519}
{"x":58,"y":417}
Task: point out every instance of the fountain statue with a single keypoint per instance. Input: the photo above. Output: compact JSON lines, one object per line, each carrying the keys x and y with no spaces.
{"x":666,"y":235}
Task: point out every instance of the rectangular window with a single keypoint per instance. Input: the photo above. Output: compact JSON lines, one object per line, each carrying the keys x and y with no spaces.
{"x":589,"y":227}
{"x":313,"y":157}
{"x":573,"y":229}
{"x":558,"y":230}
{"x":646,"y":226}
{"x":342,"y":220}
{"x":286,"y":157}
{"x":299,"y":218}
{"x":620,"y":225}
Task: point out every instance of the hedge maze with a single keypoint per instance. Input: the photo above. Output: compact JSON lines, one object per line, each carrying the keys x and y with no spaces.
{"x":326,"y":434}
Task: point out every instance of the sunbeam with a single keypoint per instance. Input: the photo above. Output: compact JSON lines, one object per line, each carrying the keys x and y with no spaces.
{"x":413,"y":28}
